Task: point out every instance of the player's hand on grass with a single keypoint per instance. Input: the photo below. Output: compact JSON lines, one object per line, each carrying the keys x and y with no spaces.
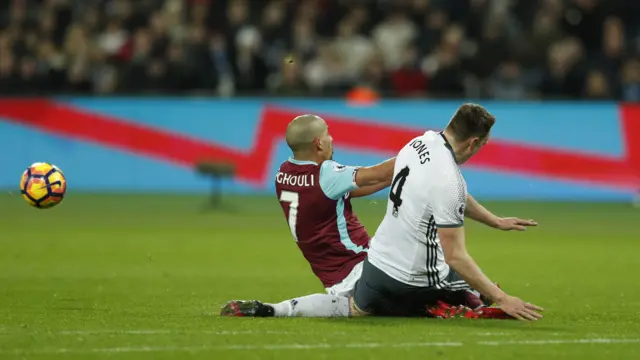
{"x":513,"y":223}
{"x":519,"y":309}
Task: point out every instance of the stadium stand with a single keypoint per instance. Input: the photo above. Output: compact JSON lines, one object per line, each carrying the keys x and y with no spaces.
{"x":438,"y":48}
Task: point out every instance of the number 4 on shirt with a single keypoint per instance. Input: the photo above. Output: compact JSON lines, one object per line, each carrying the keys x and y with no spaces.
{"x":396,"y":189}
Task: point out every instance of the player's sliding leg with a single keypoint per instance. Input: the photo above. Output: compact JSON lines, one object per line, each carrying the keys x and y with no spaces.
{"x":333,"y":304}
{"x":315,"y":305}
{"x":252,"y":308}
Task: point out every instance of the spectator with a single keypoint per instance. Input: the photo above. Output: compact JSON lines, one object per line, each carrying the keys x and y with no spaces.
{"x":199,"y":61}
{"x":544,"y":32}
{"x":78,"y":79}
{"x":563,"y":76}
{"x":444,"y":67}
{"x":408,"y":80}
{"x":613,"y":47}
{"x":274,"y":34}
{"x":304,"y":40}
{"x":327,"y":70}
{"x":112,"y":39}
{"x":597,"y":86}
{"x":630,"y":81}
{"x":392,"y":35}
{"x":373,"y":75}
{"x":8,"y":79}
{"x":434,"y":24}
{"x":353,"y":48}
{"x":249,"y":69}
{"x":509,"y":82}
{"x":289,"y":80}
{"x":492,"y":50}
{"x":221,"y":72}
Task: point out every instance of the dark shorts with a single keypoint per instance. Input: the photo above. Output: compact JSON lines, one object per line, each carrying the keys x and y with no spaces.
{"x":378,"y":294}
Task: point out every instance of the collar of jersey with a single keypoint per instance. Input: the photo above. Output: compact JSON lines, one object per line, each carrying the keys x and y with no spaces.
{"x":301,"y":162}
{"x":448,"y":146}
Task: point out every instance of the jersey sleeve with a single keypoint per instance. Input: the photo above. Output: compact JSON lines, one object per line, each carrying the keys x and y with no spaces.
{"x":336,"y":180}
{"x":450,"y":200}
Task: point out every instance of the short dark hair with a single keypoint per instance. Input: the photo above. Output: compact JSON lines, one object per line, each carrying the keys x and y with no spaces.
{"x":471,"y":120}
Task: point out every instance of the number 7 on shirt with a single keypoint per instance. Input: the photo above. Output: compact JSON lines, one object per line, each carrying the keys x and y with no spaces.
{"x":293,"y":199}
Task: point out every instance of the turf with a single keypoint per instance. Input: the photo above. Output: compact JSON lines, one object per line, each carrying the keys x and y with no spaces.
{"x":143,"y":277}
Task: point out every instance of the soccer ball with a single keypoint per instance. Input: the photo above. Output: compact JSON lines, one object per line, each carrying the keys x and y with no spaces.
{"x":43,"y":185}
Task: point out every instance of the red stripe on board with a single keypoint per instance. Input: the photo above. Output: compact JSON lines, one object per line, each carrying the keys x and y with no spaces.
{"x":253,"y":166}
{"x":630,"y":115}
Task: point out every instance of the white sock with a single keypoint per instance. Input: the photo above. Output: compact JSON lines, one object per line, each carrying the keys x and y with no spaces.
{"x":316,"y":305}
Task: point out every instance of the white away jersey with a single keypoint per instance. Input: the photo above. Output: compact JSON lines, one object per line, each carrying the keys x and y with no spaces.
{"x":427,"y":192}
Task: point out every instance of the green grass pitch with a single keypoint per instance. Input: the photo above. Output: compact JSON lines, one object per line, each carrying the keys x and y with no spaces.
{"x":143,"y":277}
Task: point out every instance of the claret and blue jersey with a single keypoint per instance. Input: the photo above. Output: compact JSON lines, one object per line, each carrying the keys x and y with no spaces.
{"x":316,"y":202}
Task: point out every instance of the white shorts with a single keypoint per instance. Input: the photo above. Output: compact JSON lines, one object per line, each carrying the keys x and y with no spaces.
{"x":345,"y":288}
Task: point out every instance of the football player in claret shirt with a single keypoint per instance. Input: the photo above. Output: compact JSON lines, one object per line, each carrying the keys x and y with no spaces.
{"x":315,"y":194}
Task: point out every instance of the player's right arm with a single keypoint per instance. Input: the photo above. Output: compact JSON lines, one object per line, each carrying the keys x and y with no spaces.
{"x":449,"y":201}
{"x":456,"y":255}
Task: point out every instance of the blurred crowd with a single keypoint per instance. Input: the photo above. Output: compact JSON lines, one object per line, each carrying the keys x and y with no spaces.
{"x":504,"y":49}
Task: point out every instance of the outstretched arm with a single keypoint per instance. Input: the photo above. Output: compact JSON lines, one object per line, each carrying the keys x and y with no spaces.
{"x":369,"y":190}
{"x":336,"y":180}
{"x":376,"y":175}
{"x":479,"y":213}
{"x":372,"y":179}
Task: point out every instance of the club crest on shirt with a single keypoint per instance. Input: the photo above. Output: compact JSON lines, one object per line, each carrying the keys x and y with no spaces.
{"x":339,"y":168}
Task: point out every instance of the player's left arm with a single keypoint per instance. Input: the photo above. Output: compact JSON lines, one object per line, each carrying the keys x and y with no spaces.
{"x":479,"y":213}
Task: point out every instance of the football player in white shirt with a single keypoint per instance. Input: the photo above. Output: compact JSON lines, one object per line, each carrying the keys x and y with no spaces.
{"x":418,"y":254}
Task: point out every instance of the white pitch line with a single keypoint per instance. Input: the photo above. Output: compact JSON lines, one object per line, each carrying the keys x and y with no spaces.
{"x":155,"y":332}
{"x":492,"y":334}
{"x":559,"y":342}
{"x":337,"y":346}
{"x":173,"y":332}
{"x":137,"y":349}
{"x":373,"y":345}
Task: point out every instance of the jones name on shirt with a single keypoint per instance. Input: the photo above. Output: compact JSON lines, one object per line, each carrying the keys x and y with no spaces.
{"x":421,"y":148}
